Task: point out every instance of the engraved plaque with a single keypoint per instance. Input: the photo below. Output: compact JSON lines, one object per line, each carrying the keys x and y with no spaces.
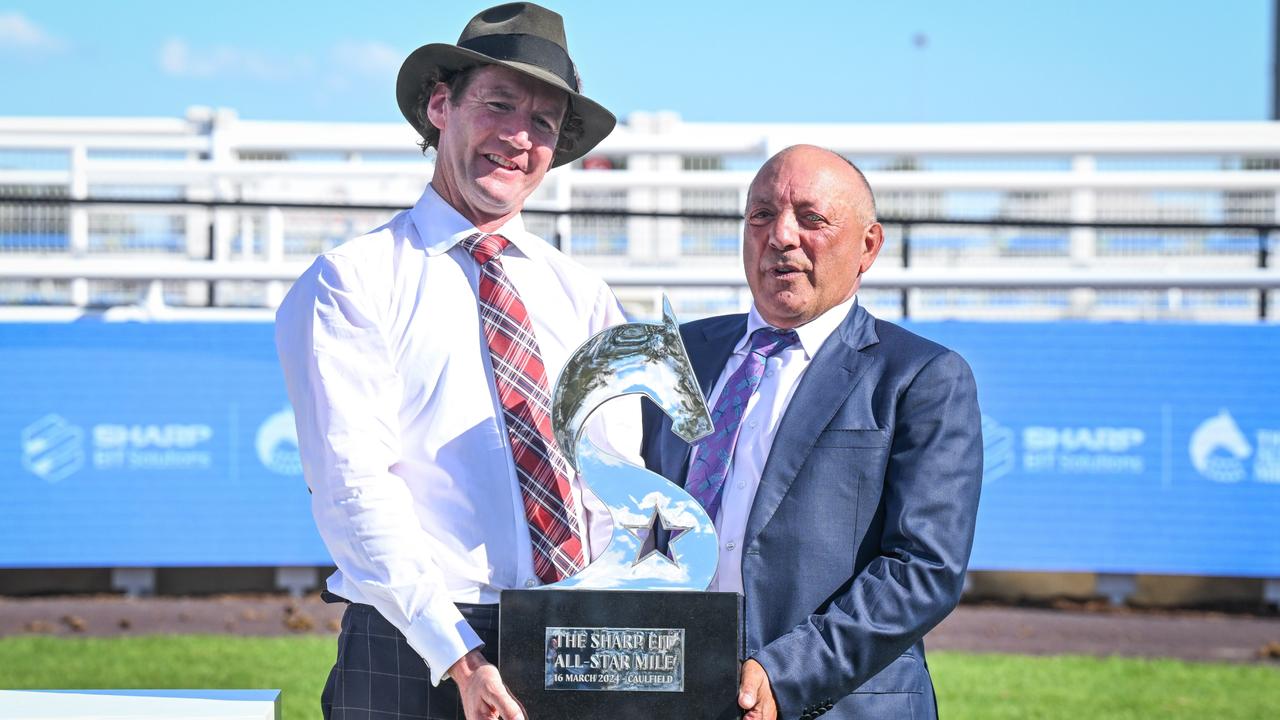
{"x":698,"y":635}
{"x":618,"y":659}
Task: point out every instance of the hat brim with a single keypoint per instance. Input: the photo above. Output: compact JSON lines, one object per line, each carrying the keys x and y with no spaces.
{"x":597,"y":122}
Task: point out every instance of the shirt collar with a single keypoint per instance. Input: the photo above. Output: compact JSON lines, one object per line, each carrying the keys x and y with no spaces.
{"x":441,"y":227}
{"x":812,"y":334}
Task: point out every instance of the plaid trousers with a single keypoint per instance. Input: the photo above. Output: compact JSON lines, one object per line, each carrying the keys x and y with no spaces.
{"x":377,"y":675}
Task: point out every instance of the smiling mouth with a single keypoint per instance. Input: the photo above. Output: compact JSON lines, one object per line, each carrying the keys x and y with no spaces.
{"x":501,"y":162}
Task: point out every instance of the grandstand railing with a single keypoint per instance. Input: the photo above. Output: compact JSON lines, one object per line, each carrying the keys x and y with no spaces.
{"x":152,"y":272}
{"x":1025,"y":221}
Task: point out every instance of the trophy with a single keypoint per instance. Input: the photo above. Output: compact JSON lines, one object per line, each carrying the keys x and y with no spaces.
{"x":633,"y":634}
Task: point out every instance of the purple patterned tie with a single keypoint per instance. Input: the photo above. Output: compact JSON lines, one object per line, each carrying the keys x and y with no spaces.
{"x":715,"y":453}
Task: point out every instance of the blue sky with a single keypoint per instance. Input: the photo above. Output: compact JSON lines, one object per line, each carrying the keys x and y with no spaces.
{"x":850,"y":61}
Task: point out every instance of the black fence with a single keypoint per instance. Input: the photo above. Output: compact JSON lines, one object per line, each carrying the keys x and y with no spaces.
{"x":1261,"y":232}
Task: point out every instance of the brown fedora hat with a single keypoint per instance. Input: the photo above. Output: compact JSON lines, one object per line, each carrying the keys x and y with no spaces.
{"x":525,"y":37}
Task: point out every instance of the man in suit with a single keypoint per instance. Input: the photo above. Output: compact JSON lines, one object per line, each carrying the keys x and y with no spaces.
{"x":844,"y":472}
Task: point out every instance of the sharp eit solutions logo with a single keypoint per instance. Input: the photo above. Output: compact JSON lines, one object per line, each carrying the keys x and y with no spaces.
{"x":52,"y":448}
{"x":1077,"y":450}
{"x":1084,"y":450}
{"x":277,"y":444}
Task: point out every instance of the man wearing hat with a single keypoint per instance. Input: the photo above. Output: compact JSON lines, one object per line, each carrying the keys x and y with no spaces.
{"x":419,"y":359}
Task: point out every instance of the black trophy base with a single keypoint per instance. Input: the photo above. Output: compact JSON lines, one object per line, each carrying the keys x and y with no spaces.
{"x":586,"y":654}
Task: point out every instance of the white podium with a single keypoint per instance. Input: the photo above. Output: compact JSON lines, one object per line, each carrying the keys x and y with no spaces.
{"x":140,"y":704}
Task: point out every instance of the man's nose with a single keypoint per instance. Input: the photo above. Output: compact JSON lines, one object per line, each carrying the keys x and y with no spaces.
{"x":517,"y":132}
{"x":784,"y":234}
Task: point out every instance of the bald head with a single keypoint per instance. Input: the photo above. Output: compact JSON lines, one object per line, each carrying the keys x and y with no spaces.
{"x":820,"y":159}
{"x":811,"y":232}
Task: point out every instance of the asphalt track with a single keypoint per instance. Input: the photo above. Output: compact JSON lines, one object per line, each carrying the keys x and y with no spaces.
{"x":1188,"y":635}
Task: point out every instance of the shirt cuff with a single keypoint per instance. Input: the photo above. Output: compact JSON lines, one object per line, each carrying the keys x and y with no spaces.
{"x":441,"y":636}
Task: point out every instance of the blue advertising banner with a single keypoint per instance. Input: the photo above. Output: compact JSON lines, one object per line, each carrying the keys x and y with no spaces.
{"x":148,"y":444}
{"x":1122,"y":448}
{"x":1126,"y":448}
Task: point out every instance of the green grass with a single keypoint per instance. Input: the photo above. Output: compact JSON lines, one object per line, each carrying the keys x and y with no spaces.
{"x":985,"y":687}
{"x":994,"y":687}
{"x":296,"y":665}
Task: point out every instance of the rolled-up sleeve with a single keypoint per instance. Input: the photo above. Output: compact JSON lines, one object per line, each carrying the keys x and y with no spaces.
{"x":346,"y":395}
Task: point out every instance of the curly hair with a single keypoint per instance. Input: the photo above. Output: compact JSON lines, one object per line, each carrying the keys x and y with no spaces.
{"x":571,"y":127}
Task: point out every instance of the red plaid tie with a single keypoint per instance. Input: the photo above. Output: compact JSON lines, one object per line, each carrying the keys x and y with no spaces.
{"x":521,"y":383}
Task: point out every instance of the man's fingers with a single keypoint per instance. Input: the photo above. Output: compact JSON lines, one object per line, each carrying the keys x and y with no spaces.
{"x":505,"y":704}
{"x":484,"y":696}
{"x":748,"y":691}
{"x":755,"y":694}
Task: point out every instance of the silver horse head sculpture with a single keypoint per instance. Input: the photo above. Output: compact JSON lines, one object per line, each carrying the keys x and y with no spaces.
{"x":646,"y":359}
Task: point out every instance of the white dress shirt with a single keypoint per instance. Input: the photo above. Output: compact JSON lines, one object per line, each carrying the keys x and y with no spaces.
{"x":403,"y":445}
{"x":765,"y":409}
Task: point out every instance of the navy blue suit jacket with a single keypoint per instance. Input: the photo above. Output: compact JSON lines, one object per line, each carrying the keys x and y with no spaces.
{"x":860,"y":532}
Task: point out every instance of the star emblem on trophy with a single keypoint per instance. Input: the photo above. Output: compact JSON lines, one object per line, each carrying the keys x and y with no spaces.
{"x":648,"y":534}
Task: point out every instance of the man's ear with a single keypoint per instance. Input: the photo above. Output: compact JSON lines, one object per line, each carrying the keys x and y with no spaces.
{"x":872,"y":241}
{"x":437,"y":111}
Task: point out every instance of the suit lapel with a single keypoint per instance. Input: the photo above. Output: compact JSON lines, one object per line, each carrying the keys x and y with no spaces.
{"x":709,"y":348}
{"x":827,"y":383}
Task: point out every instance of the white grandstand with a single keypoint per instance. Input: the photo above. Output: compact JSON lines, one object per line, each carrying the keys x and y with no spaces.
{"x":225,"y":225}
